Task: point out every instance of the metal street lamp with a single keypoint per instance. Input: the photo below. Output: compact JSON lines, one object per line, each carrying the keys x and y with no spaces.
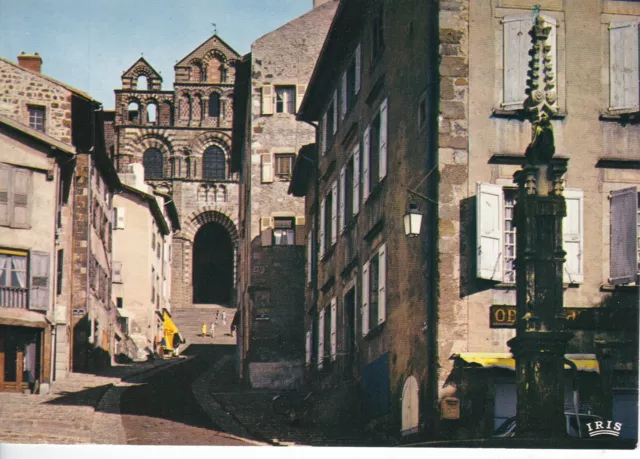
{"x":412,"y":221}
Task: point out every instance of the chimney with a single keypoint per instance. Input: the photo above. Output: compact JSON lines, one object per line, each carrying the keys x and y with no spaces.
{"x":31,"y":62}
{"x":317,"y":3}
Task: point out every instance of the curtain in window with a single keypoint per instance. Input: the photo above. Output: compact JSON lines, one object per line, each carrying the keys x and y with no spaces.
{"x":20,"y":270}
{"x":152,"y":162}
{"x":213,"y":164}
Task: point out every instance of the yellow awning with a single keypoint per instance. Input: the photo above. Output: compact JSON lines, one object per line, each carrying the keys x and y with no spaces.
{"x":583,"y":362}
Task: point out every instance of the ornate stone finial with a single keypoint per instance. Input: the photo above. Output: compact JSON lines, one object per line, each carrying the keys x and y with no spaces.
{"x":541,"y":84}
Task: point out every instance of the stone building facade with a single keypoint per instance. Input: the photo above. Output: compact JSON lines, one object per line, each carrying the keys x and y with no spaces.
{"x":267,"y":139}
{"x":182,"y":137}
{"x":414,"y":331}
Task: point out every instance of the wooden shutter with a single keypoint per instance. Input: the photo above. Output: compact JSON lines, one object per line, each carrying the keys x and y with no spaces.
{"x":516,"y":45}
{"x":307,"y":348}
{"x":343,"y":95}
{"x":323,"y":134}
{"x":342,"y":217}
{"x":382,"y":283}
{"x":489,"y":215}
{"x":116,"y":275}
{"x":382,"y":157}
{"x":321,"y":339}
{"x":299,"y":230}
{"x":21,"y":197}
{"x":365,"y":163}
{"x":334,"y":331}
{"x":267,"y":99}
{"x":365,"y":299}
{"x":358,"y":77}
{"x":335,"y":111}
{"x":5,"y":182}
{"x":120,"y":217}
{"x":572,"y":231}
{"x":267,"y":168}
{"x":266,"y":231}
{"x":623,"y":66}
{"x":309,"y":255}
{"x":300,"y":90}
{"x":356,"y":180}
{"x":39,"y":282}
{"x":322,"y":222}
{"x":334,"y":212}
{"x":624,"y":236}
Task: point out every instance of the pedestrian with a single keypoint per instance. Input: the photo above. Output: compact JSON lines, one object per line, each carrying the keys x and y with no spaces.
{"x":234,"y":323}
{"x":217,"y":316}
{"x":224,"y":318}
{"x":204,"y":329}
{"x":213,"y":328}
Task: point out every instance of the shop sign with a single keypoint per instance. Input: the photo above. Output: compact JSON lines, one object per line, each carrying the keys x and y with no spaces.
{"x":504,"y":316}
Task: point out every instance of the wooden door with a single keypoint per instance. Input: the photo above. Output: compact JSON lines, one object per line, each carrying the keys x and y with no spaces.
{"x":11,"y":357}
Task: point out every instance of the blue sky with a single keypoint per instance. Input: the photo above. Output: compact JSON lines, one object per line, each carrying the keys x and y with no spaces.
{"x":89,"y":43}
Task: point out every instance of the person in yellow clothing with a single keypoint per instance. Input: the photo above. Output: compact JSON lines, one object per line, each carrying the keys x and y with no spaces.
{"x":204,"y":329}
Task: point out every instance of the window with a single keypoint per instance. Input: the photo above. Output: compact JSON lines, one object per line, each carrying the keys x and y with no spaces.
{"x":284,"y":165}
{"x":119,"y":302}
{"x":15,"y":196}
{"x":286,"y":99}
{"x":496,"y":234}
{"x":350,"y":84}
{"x":328,"y":338}
{"x":625,"y":237}
{"x":516,"y":46}
{"x":153,"y":284}
{"x":116,"y":272}
{"x":349,"y":189}
{"x":283,"y":231}
{"x":36,"y":118}
{"x":214,"y":164}
{"x":59,"y":271}
{"x":308,"y":348}
{"x":623,"y":67}
{"x":21,"y":287}
{"x":329,"y":219}
{"x":332,"y":124}
{"x":13,"y":269}
{"x":214,"y":105}
{"x":374,"y":167}
{"x":321,"y":320}
{"x":374,"y":295}
{"x":377,"y":33}
{"x":153,"y":164}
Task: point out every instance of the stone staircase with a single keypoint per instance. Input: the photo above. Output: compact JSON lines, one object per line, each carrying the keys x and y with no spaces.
{"x":189,"y":321}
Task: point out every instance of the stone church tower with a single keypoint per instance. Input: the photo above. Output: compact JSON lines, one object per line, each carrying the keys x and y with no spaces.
{"x":182,"y":137}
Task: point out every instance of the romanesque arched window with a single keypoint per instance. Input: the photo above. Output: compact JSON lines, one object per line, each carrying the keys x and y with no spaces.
{"x":213,"y":164}
{"x":214,"y":104}
{"x":152,"y":162}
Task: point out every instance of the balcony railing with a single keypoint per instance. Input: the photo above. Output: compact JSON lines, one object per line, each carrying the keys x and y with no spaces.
{"x":13,"y":297}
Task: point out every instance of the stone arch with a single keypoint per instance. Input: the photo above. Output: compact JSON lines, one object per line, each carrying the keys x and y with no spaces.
{"x":198,"y":70}
{"x":165,"y":117}
{"x":213,"y":108}
{"x":132,"y":109}
{"x":214,"y":163}
{"x":410,"y":406}
{"x":206,"y":139}
{"x":142,"y":143}
{"x":185,"y":107}
{"x":152,"y":111}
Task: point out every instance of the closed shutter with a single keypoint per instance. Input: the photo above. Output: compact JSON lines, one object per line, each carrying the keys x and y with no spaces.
{"x":334,"y":213}
{"x":335,"y":111}
{"x":39,"y":270}
{"x":309,"y":255}
{"x":267,"y":99}
{"x":21,"y":197}
{"x":623,"y":66}
{"x":365,"y":164}
{"x":307,"y":348}
{"x":382,"y":170}
{"x":5,"y":181}
{"x":321,"y":339}
{"x":323,"y":134}
{"x":489,"y":211}
{"x":334,"y":329}
{"x":266,"y":231}
{"x":356,"y":180}
{"x":267,"y":168}
{"x":516,"y":45}
{"x":300,"y":90}
{"x":299,"y":230}
{"x":382,"y":283}
{"x":343,"y":95}
{"x":321,"y":232}
{"x":358,"y":78}
{"x":365,"y":299}
{"x":624,"y":236}
{"x":572,"y":231}
{"x":116,"y":275}
{"x":342,"y":204}
{"x":120,"y":217}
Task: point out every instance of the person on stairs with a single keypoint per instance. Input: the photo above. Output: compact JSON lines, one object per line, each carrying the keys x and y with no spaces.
{"x":204,"y":329}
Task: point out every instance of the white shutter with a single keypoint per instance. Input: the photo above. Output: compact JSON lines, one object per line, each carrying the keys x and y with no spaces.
{"x":119,"y":217}
{"x":5,"y":181}
{"x":623,"y":66}
{"x":358,"y":78}
{"x":266,"y":231}
{"x":39,"y":270}
{"x":365,"y":299}
{"x":356,"y":180}
{"x":323,"y":134}
{"x":309,"y":255}
{"x":365,"y":163}
{"x":382,"y":170}
{"x":572,"y":231}
{"x":343,"y":95}
{"x":21,"y":197}
{"x":334,"y":212}
{"x":322,"y":221}
{"x":516,"y":45}
{"x":321,"y":339}
{"x":341,"y":204}
{"x":382,"y":283}
{"x":307,"y":349}
{"x":300,"y":90}
{"x":334,"y":326}
{"x":267,"y":168}
{"x":335,"y":111}
{"x":489,"y":215}
{"x":116,"y":272}
{"x":267,"y":99}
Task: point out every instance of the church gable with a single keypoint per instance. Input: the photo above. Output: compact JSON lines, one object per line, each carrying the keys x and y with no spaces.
{"x":208,"y":63}
{"x":141,"y":68}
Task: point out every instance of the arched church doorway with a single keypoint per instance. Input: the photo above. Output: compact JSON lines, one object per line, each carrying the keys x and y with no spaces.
{"x":212,"y":265}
